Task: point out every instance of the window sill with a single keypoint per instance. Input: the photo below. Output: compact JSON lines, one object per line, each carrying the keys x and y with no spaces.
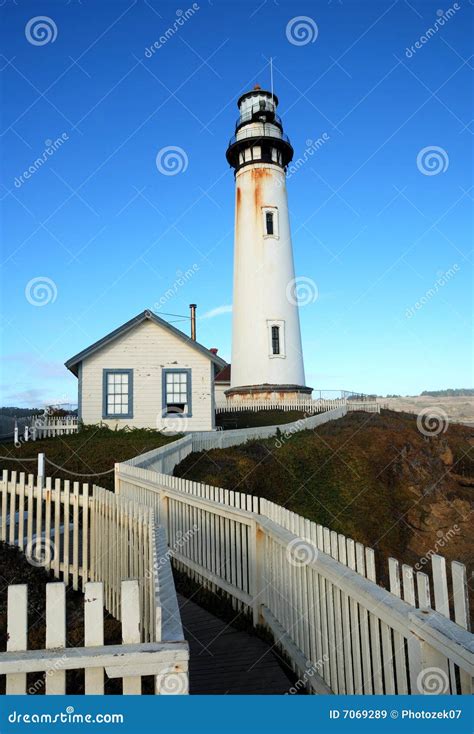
{"x":176,"y":415}
{"x":118,"y":416}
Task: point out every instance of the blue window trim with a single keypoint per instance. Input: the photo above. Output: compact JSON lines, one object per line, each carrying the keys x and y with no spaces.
{"x":179,"y":370}
{"x":79,"y":393}
{"x":107,"y":372}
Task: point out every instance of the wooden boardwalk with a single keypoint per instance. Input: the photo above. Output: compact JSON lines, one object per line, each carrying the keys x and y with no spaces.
{"x":224,"y":659}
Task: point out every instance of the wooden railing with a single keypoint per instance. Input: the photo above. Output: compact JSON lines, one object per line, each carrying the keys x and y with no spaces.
{"x":85,"y":535}
{"x":316,"y":590}
{"x":308,"y":406}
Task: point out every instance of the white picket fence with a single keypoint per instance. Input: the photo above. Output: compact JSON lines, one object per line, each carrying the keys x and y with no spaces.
{"x":316,"y":590}
{"x":87,"y":537}
{"x":306,"y":405}
{"x":40,"y":426}
{"x":165,"y":458}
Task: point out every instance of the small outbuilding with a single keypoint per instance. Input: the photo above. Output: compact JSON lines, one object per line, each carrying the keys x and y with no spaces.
{"x":147,"y":374}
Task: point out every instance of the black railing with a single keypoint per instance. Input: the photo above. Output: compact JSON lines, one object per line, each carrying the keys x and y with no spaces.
{"x":264,"y":136}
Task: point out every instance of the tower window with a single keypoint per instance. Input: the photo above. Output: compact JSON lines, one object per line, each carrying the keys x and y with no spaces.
{"x":275,"y":339}
{"x":269,"y":222}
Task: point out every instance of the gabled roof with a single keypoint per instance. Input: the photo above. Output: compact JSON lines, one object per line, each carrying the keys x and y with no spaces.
{"x":73,"y":363}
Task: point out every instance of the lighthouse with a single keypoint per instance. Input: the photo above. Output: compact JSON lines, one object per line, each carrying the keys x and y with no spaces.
{"x":267,"y":356}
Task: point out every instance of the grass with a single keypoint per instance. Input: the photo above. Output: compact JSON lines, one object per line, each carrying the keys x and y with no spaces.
{"x":252,"y":418}
{"x":372,"y":477}
{"x":92,"y":451}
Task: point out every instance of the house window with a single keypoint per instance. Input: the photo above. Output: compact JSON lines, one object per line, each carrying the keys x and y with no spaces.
{"x":269,"y":222}
{"x":177,"y":392}
{"x":117,"y":394}
{"x":275,"y":340}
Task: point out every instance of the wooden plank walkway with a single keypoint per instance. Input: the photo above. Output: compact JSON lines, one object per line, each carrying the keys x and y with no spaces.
{"x":224,"y":659}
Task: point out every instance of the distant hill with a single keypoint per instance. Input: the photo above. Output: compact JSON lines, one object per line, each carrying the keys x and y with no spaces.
{"x":19,"y":412}
{"x":450,"y":392}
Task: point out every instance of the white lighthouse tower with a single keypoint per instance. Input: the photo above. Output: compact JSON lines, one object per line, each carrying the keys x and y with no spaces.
{"x":267,"y":357}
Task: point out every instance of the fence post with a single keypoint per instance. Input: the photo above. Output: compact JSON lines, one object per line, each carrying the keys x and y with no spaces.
{"x":15,"y":434}
{"x":164,"y":509}
{"x":117,"y":478}
{"x":41,"y":460}
{"x":256,"y":571}
{"x":424,"y":663}
{"x":26,"y":433}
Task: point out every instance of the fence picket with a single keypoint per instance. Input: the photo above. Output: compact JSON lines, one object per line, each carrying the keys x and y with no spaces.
{"x":17,"y":633}
{"x":94,"y":633}
{"x":56,"y":633}
{"x":131,"y":629}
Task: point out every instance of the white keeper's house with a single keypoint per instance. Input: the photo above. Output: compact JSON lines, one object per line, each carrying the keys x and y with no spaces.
{"x":149,"y":374}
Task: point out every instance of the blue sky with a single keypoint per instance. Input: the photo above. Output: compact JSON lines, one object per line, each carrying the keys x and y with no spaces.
{"x":387,"y":245}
